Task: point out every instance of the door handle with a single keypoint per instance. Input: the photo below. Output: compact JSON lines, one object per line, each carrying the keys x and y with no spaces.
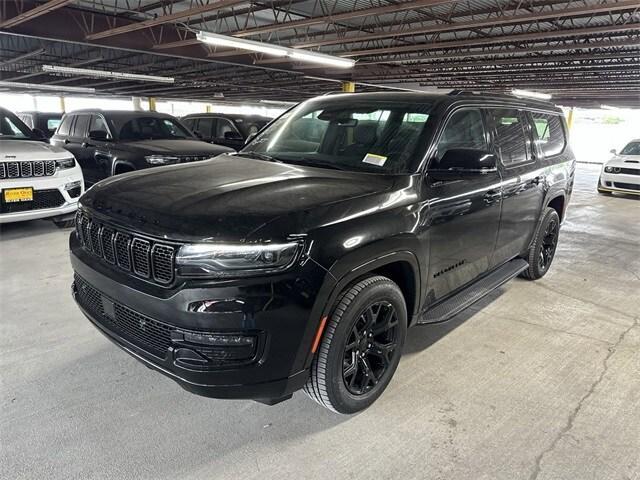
{"x":492,"y":196}
{"x":66,"y":141}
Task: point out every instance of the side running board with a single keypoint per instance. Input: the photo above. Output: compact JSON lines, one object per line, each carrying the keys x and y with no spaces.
{"x":465,"y":298}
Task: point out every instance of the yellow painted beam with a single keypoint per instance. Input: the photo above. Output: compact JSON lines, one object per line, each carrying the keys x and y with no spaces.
{"x":348,"y":87}
{"x":152,"y":104}
{"x":570,"y":118}
{"x":62,"y":105}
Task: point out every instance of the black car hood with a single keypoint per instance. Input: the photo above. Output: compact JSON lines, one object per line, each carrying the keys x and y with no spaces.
{"x":173,"y":147}
{"x":227,"y":198}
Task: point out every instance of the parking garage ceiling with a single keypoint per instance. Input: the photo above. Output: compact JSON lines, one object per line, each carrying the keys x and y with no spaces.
{"x":584,"y":53}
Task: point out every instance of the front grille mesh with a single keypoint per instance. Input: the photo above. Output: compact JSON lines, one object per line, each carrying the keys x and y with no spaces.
{"x":42,"y":199}
{"x":141,"y":257}
{"x":38,"y":168}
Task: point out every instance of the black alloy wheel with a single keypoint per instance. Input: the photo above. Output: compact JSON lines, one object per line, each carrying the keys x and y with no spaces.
{"x":543,"y":248}
{"x":360,"y":347}
{"x":549,"y":244}
{"x":370,"y":348}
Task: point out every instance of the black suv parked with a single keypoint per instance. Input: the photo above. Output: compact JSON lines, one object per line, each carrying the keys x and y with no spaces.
{"x":224,"y":129}
{"x":301,"y":261}
{"x":107,"y":143}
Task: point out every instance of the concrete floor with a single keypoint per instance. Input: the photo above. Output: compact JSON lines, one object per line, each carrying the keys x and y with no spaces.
{"x":540,"y":381}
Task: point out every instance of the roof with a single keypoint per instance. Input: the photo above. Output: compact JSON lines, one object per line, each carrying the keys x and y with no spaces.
{"x":583,"y":52}
{"x":121,"y":114}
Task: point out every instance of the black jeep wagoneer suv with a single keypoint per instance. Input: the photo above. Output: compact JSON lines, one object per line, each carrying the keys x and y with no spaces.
{"x":301,"y":261}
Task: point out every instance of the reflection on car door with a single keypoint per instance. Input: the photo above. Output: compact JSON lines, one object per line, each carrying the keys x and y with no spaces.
{"x":463,"y":215}
{"x":523,"y":181}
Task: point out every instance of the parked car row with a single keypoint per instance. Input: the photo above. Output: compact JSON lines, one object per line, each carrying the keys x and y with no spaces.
{"x":45,"y":181}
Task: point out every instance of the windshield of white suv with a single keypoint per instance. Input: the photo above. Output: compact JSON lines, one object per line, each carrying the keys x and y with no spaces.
{"x":355,"y":135}
{"x":153,"y":128}
{"x":632,"y":148}
{"x":11,"y":128}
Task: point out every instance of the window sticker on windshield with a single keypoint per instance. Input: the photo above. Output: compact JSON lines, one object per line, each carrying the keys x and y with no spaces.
{"x":374,"y":159}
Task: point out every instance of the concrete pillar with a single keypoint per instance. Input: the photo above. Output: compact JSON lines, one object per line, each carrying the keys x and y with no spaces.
{"x":137,"y":104}
{"x":208,"y":108}
{"x":63,"y":107}
{"x":348,"y":87}
{"x":570,"y":118}
{"x":152,"y":104}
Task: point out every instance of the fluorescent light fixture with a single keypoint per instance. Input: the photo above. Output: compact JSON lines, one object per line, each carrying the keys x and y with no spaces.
{"x":277,"y":102}
{"x":226,"y":41}
{"x":530,"y":94}
{"x":313,"y":57}
{"x":276,"y":50}
{"x":55,"y":88}
{"x":87,"y":72}
{"x":608,"y":107}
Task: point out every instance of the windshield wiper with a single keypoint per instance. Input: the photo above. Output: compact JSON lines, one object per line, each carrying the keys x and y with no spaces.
{"x":260,"y":156}
{"x":311,"y":162}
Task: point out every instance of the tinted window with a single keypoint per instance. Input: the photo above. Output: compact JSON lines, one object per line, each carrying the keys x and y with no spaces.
{"x":357,"y":135}
{"x":223,"y":126}
{"x":12,"y":127}
{"x":65,"y":126}
{"x":189,"y":123}
{"x":98,"y":124}
{"x":549,"y":132}
{"x":465,"y":129}
{"x":205,"y":127}
{"x":81,"y":126}
{"x":510,"y":136}
{"x":52,"y":124}
{"x":153,"y":128}
{"x":28,"y":121}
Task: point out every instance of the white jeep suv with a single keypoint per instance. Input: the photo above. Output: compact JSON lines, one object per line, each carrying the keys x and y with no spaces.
{"x":37,"y":180}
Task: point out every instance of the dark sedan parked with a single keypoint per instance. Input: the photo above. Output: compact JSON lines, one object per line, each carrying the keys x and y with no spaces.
{"x":107,"y":143}
{"x":223,"y":129}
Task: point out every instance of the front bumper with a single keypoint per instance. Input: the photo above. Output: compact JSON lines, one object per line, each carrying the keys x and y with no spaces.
{"x":620,"y":182}
{"x":278,"y":311}
{"x":57,"y":182}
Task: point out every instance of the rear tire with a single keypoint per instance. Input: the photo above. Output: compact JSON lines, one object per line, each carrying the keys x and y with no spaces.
{"x":543,"y":247}
{"x":361,"y":346}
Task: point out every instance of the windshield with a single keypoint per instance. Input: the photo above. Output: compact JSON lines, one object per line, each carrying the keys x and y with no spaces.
{"x":153,"y":128}
{"x":632,"y":148}
{"x":12,"y":128}
{"x":357,"y":135}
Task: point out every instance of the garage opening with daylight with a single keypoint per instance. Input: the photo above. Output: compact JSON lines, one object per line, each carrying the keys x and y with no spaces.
{"x":377,"y":238}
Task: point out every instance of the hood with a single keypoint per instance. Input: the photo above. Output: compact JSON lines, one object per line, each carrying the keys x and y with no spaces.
{"x":174,"y":147}
{"x":227,"y":198}
{"x":625,"y":161}
{"x":17,"y":150}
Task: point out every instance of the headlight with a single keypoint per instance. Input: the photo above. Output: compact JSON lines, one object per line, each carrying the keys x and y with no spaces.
{"x":612,"y":169}
{"x":66,"y":163}
{"x":235,"y":260}
{"x":161,"y":159}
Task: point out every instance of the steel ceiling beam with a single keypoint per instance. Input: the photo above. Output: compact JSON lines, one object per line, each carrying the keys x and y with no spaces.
{"x":24,"y":56}
{"x":338,"y":17}
{"x":478,"y":41}
{"x":43,"y":9}
{"x":488,"y":22}
{"x":173,"y":17}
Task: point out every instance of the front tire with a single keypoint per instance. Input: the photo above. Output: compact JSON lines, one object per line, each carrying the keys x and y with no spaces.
{"x":544,"y":245}
{"x":361,"y":346}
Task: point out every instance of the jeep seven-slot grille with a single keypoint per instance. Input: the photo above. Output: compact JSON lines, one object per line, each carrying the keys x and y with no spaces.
{"x":38,"y":168}
{"x":141,"y":257}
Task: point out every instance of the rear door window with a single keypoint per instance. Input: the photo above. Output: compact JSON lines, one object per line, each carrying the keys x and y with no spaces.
{"x":511,"y":136}
{"x":205,"y":127}
{"x":549,"y":132}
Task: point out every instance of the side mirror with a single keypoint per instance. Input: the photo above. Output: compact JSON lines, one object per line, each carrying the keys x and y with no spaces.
{"x":230,"y":135}
{"x":459,"y":163}
{"x":613,"y":150}
{"x":98,"y":135}
{"x":197,"y":134}
{"x":39,"y":134}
